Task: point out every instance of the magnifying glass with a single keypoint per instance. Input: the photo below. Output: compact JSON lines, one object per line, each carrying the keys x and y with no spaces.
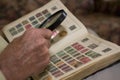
{"x":54,"y":20}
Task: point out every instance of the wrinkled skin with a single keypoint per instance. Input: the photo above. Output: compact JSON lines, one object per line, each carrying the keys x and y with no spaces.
{"x":26,"y":55}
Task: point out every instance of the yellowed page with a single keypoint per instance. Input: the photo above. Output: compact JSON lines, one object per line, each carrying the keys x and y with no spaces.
{"x":3,"y":44}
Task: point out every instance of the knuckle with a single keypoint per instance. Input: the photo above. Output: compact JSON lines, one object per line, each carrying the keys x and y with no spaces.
{"x":46,"y":31}
{"x":46,"y":52}
{"x":47,"y":61}
{"x":42,"y":42}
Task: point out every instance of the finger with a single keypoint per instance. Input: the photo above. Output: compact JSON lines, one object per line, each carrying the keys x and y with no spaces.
{"x":48,"y":43}
{"x":46,"y":33}
{"x":43,"y":42}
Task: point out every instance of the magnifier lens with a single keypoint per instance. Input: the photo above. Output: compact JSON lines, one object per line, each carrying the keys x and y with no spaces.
{"x":54,"y":20}
{"x":51,"y":21}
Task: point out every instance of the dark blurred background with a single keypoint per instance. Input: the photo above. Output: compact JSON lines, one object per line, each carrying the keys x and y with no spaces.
{"x":102,"y":16}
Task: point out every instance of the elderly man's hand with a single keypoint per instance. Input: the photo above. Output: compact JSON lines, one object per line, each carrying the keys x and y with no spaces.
{"x":27,"y":55}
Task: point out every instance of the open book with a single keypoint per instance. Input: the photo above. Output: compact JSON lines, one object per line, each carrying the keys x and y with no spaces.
{"x":75,"y":53}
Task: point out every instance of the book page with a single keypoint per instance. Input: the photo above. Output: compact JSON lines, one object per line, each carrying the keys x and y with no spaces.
{"x":35,"y":18}
{"x":79,"y":57}
{"x":3,"y":44}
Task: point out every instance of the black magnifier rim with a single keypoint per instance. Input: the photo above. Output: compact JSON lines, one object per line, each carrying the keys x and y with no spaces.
{"x":58,"y":21}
